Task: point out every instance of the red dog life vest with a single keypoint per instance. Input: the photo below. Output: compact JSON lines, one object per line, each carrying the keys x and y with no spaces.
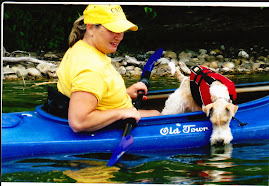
{"x":200,"y":81}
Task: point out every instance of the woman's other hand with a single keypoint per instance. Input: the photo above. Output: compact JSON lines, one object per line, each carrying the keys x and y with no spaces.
{"x":133,"y":89}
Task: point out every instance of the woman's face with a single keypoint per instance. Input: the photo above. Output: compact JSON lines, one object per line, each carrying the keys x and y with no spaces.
{"x":103,"y":39}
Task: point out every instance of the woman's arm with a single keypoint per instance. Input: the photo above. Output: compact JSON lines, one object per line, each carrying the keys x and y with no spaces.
{"x":83,"y":116}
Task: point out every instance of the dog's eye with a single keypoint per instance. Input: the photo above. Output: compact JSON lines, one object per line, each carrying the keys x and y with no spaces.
{"x":227,"y":111}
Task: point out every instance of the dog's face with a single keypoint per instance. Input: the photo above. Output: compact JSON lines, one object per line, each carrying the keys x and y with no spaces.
{"x":221,"y":113}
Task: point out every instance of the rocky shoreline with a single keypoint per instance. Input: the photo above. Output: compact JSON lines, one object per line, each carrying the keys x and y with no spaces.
{"x":26,"y":65}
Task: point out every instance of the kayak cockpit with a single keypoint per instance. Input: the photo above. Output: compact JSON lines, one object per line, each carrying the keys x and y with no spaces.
{"x":51,"y":117}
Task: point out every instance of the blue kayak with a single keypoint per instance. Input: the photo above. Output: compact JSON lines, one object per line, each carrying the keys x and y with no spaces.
{"x":38,"y":133}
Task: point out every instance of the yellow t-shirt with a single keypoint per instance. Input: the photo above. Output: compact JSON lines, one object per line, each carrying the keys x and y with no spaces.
{"x":84,"y":68}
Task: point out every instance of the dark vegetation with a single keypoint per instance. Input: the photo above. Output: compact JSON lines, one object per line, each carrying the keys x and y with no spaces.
{"x":41,"y":27}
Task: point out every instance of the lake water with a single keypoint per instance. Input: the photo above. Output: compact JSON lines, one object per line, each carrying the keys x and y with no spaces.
{"x":242,"y":163}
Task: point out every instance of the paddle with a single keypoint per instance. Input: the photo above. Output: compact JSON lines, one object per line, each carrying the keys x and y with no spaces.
{"x":127,"y":140}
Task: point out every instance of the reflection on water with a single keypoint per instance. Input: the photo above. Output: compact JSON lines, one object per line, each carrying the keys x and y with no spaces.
{"x":230,"y":164}
{"x":221,"y":159}
{"x":97,"y":173}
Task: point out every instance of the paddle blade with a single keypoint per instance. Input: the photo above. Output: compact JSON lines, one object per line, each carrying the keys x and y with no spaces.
{"x":151,"y":61}
{"x":125,"y":144}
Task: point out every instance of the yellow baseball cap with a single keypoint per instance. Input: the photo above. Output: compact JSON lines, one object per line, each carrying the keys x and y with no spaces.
{"x":111,"y":17}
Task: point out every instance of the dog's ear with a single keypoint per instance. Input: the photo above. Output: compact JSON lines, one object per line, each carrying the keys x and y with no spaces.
{"x":208,"y":109}
{"x":232,"y":108}
{"x":172,"y":67}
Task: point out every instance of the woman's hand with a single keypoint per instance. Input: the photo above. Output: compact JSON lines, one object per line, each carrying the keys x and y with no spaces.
{"x":130,"y":113}
{"x":133,"y":89}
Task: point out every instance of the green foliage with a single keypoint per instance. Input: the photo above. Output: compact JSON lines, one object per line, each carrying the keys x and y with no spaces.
{"x":38,"y":27}
{"x":150,"y":12}
{"x":41,"y":27}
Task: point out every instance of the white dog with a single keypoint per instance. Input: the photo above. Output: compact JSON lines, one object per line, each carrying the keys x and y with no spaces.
{"x":221,"y":110}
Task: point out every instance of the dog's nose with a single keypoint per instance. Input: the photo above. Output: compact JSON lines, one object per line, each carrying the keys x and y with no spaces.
{"x":220,"y":142}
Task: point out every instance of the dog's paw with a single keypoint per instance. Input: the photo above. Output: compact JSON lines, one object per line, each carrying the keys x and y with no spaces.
{"x":172,"y":67}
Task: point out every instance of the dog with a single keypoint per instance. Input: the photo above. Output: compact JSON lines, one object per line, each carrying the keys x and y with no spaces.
{"x":220,"y":110}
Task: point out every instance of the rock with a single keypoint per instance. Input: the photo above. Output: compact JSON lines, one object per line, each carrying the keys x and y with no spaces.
{"x":237,"y":62}
{"x":214,"y":65}
{"x":52,"y":75}
{"x":122,"y":70}
{"x":5,"y":53}
{"x":202,"y":57}
{"x":162,"y":70}
{"x":20,"y":70}
{"x":184,"y":55}
{"x":256,"y":66}
{"x":174,"y":61}
{"x":142,"y":57}
{"x":117,"y":59}
{"x":129,"y":68}
{"x":137,"y":69}
{"x":162,"y":61}
{"x":34,"y":72}
{"x":212,"y":52}
{"x":246,"y":65}
{"x":131,"y":60}
{"x":7,"y":70}
{"x":51,"y":56}
{"x":195,"y":60}
{"x":149,"y":53}
{"x":222,"y":47}
{"x":116,"y":64}
{"x":43,"y":68}
{"x":185,"y":60}
{"x":220,"y":57}
{"x":210,"y":58}
{"x":170,"y":55}
{"x":217,"y":51}
{"x":192,"y":53}
{"x":207,"y":64}
{"x":11,"y":77}
{"x":134,"y":73}
{"x":203,"y":51}
{"x":229,"y":66}
{"x":243,"y":54}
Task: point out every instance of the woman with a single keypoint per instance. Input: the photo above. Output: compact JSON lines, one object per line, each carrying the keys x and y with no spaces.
{"x":98,"y":96}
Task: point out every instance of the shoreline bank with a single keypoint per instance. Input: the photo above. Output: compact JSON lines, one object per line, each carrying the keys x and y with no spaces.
{"x":28,"y":65}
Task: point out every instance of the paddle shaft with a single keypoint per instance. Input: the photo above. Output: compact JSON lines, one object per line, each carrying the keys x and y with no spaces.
{"x":130,"y":122}
{"x":127,"y":140}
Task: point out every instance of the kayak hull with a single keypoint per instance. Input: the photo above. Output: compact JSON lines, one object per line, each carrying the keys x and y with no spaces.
{"x":37,"y":132}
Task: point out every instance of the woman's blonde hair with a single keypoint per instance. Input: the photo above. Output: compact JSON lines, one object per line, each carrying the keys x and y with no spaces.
{"x":78,"y":31}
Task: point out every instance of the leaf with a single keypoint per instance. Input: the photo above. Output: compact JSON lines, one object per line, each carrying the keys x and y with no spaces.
{"x":6,"y":16}
{"x":154,"y":15}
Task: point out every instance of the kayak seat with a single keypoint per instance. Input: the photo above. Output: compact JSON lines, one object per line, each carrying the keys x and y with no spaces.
{"x":57,"y":103}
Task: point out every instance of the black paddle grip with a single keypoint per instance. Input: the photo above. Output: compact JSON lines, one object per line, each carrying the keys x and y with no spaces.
{"x":138,"y":100}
